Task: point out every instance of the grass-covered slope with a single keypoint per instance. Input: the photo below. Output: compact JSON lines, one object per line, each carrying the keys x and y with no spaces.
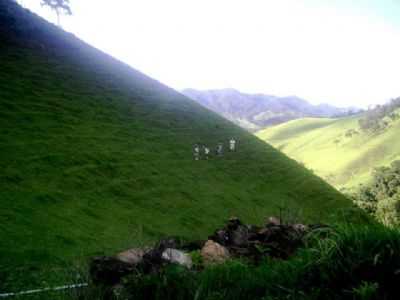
{"x":96,"y":157}
{"x":345,"y":160}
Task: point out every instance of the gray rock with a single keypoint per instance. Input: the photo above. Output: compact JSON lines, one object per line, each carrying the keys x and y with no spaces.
{"x":239,"y":236}
{"x":213,"y":253}
{"x":132,"y":256}
{"x":273,"y":221}
{"x":300,"y":227}
{"x":177,"y":257}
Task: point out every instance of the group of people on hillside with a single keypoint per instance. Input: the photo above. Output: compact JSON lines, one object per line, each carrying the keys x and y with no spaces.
{"x":204,"y":151}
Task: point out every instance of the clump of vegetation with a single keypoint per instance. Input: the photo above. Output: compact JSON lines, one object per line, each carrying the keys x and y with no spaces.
{"x":351,"y":132}
{"x":381,"y":198}
{"x":379,"y":118}
{"x":346,"y":262}
{"x":366,"y":291}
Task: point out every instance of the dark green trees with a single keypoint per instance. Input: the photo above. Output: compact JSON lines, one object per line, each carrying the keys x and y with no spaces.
{"x":378,"y":119}
{"x":381,"y":197}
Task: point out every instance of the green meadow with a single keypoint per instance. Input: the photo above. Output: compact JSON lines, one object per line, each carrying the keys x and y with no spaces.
{"x":322,"y":145}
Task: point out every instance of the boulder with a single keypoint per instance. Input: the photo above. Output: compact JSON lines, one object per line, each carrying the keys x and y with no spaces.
{"x":170,"y":242}
{"x":177,"y":257}
{"x":233,"y":223}
{"x":282,"y":240}
{"x":132,"y":256}
{"x":300,"y":228}
{"x":109,"y":270}
{"x":273,"y":221}
{"x":153,"y":260}
{"x":239,"y":236}
{"x":234,"y":234}
{"x":220,"y":236}
{"x":213,"y":252}
{"x":253,"y":233}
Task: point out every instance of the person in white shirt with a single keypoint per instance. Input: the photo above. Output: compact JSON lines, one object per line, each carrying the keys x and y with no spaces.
{"x":206,"y":151}
{"x":219,"y":149}
{"x":232,"y":144}
{"x":196,"y":152}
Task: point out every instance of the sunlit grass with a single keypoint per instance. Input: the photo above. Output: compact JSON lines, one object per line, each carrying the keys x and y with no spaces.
{"x":322,"y":145}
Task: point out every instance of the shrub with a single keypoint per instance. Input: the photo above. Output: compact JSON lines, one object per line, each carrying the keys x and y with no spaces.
{"x":374,"y":119}
{"x":388,"y":211}
{"x":366,"y":291}
{"x":381,"y":198}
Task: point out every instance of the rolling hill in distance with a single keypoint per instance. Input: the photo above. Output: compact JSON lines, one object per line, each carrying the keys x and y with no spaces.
{"x":96,"y":157}
{"x":338,"y":149}
{"x":256,"y":111}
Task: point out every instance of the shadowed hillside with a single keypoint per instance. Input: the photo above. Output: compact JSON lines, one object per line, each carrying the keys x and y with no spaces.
{"x":96,"y":157}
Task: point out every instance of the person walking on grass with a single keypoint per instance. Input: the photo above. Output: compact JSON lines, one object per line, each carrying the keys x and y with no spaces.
{"x":232,"y":145}
{"x":219,"y":149}
{"x":196,"y":152}
{"x":206,"y":151}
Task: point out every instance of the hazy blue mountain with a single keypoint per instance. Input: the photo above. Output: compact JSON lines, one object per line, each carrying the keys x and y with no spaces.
{"x":256,"y":111}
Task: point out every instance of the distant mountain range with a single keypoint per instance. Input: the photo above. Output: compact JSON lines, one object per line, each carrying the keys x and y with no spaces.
{"x":256,"y":111}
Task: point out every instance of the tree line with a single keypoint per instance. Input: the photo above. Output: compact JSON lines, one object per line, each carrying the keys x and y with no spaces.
{"x":377,"y":119}
{"x":381,"y":198}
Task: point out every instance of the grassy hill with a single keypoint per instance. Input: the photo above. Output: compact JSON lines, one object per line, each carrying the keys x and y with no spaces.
{"x":96,"y":157}
{"x":337,"y":149}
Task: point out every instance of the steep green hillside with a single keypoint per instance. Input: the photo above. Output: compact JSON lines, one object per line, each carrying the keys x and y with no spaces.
{"x":337,"y":149}
{"x":96,"y":157}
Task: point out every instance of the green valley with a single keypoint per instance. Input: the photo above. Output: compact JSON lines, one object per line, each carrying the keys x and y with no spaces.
{"x":338,"y":150}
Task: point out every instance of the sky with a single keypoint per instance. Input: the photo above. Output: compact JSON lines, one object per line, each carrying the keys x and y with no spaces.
{"x":343,"y":52}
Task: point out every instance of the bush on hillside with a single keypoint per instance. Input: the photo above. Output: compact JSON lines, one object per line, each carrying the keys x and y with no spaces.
{"x":350,"y":133}
{"x":381,"y":197}
{"x":374,"y":120}
{"x":388,"y":211}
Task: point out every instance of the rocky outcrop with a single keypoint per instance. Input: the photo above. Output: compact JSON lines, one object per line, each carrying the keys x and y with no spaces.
{"x":273,"y":239}
{"x":234,"y":240}
{"x":213,"y":253}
